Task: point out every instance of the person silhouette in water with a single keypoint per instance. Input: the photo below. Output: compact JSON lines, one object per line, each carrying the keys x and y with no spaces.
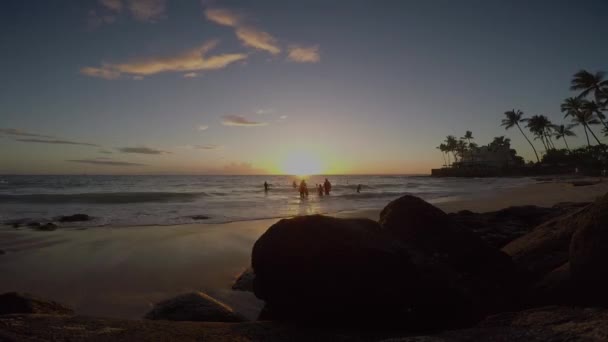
{"x":327,"y":186}
{"x":303,"y":189}
{"x":294,"y":184}
{"x":266,"y":186}
{"x":320,"y":190}
{"x":359,"y":188}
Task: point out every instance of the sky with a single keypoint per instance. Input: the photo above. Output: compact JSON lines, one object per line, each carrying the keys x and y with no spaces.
{"x":244,"y":87}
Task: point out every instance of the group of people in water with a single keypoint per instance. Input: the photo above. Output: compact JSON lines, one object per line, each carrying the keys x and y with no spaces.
{"x":322,"y":189}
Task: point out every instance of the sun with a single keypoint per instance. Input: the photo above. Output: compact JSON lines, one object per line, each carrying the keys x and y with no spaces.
{"x":302,"y":163}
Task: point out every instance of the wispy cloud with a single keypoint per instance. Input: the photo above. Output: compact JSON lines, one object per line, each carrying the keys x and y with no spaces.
{"x":203,"y":127}
{"x":141,"y":10}
{"x":105,"y":151}
{"x":192,"y":60}
{"x":141,"y":150}
{"x":55,"y":141}
{"x":265,"y":111}
{"x":104,"y":162}
{"x":302,"y":54}
{"x":190,"y":75}
{"x":283,"y":117}
{"x":112,"y":5}
{"x":22,"y":133}
{"x":249,"y":35}
{"x":238,"y":120}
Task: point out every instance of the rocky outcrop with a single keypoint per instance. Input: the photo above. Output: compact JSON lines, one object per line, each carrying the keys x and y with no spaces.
{"x":74,"y":218}
{"x":589,"y":254}
{"x":47,"y":227}
{"x":245,"y":281}
{"x":399,"y":271}
{"x":546,"y":247}
{"x":498,"y":228}
{"x":14,"y":303}
{"x":195,"y":306}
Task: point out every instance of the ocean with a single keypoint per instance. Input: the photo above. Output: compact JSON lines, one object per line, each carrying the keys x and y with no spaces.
{"x":168,"y":200}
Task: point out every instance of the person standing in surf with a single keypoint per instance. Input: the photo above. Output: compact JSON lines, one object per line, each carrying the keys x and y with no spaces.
{"x":327,"y":186}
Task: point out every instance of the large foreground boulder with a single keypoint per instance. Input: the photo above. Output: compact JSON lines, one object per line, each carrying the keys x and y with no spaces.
{"x":195,"y":306}
{"x":418,"y":268}
{"x":589,"y":254}
{"x":546,"y":247}
{"x":14,"y":303}
{"x":328,"y":269}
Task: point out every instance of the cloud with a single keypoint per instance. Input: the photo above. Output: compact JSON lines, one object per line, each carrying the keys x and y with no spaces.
{"x":141,"y":150}
{"x":190,"y":75}
{"x":138,"y":78}
{"x":256,"y":39}
{"x":237,"y":120}
{"x":264,"y":111}
{"x":112,"y":5}
{"x":94,"y":19}
{"x":103,"y":162}
{"x":105,"y":151}
{"x":147,"y":10}
{"x":56,"y":141}
{"x":18,"y":132}
{"x":207,"y":147}
{"x":192,"y":60}
{"x":222,"y":16}
{"x":203,"y":127}
{"x":247,"y":34}
{"x":102,"y":72}
{"x":302,"y":54}
{"x":283,"y":117}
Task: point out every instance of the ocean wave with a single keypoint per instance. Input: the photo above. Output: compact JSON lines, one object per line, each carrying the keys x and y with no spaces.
{"x":103,"y":197}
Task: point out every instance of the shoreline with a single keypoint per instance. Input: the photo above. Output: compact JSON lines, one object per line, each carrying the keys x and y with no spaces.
{"x":122,"y":271}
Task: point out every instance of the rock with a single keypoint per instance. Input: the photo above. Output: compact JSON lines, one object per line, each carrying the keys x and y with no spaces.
{"x":245,"y":281}
{"x":200,"y":217}
{"x":354,"y":270}
{"x":47,"y":227}
{"x":497,"y":228}
{"x":195,"y":306}
{"x":325,"y":269}
{"x":589,"y":253}
{"x":13,"y":303}
{"x":2,"y":252}
{"x":555,"y":288}
{"x":546,"y":247}
{"x":34,"y":224}
{"x":74,"y":218}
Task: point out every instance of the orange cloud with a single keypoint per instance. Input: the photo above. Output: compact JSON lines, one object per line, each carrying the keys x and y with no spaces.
{"x":189,"y":61}
{"x":237,"y":120}
{"x":304,"y":54}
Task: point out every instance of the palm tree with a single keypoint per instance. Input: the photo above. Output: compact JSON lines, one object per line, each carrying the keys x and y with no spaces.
{"x":594,"y":109}
{"x":588,"y":83}
{"x":451,"y":143}
{"x":468,"y":136}
{"x":513,"y":118}
{"x":443,"y":149}
{"x":540,"y":126}
{"x":572,"y":106}
{"x":585,"y":119}
{"x":563,"y":131}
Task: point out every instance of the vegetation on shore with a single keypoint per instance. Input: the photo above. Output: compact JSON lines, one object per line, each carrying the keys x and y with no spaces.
{"x":585,"y":111}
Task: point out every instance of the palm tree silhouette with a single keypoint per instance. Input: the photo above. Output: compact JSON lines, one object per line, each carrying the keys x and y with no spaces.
{"x":541,"y":127}
{"x":588,"y":83}
{"x":594,"y":108}
{"x":563,"y":131}
{"x":513,"y":118}
{"x":443,"y":149}
{"x":585,"y":119}
{"x":451,"y":143}
{"x":468,"y":136}
{"x":572,"y":106}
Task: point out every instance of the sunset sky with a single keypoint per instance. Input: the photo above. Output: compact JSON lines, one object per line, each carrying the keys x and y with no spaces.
{"x":162,"y":86}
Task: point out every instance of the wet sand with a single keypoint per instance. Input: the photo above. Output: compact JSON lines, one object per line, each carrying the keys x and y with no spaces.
{"x":120,"y":272}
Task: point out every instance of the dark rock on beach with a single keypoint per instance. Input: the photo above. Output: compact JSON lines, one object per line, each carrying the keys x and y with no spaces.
{"x":245,"y":281}
{"x":497,"y":228}
{"x":2,"y":252}
{"x":332,"y":270}
{"x":199,"y":217}
{"x":47,"y":227}
{"x":399,"y":271}
{"x":74,"y":218}
{"x":14,"y":303}
{"x":195,"y":306}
